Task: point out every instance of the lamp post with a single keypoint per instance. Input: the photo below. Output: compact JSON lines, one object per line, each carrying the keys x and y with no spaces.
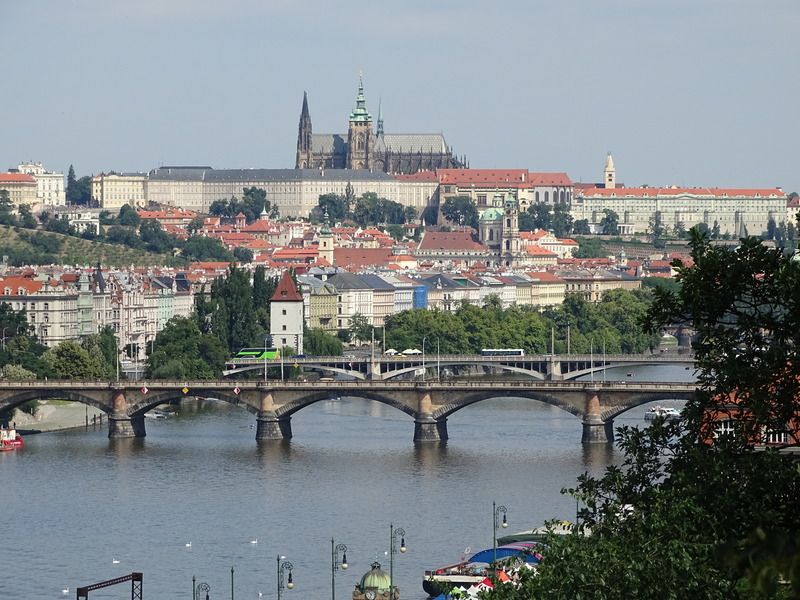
{"x":496,"y":512}
{"x":284,"y":565}
{"x":336,"y":563}
{"x":231,"y":582}
{"x":438,"y":361}
{"x":198,"y":591}
{"x":4,"y":337}
{"x":423,"y":357}
{"x":393,"y":534}
{"x":266,"y":337}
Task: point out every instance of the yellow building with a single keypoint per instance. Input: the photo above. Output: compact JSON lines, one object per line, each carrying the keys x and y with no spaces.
{"x":21,"y":188}
{"x":112,"y":190}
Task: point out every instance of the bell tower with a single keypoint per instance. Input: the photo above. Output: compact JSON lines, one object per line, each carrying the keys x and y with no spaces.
{"x":609,"y":173}
{"x":359,"y":134}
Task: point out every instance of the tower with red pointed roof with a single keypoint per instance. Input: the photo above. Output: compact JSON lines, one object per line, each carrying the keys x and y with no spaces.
{"x":286,"y":315}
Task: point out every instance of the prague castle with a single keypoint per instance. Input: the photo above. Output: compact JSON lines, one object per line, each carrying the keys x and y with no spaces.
{"x":365,"y":147}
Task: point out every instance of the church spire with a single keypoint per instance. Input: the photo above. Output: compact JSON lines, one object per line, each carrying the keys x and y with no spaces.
{"x":360,"y":113}
{"x":379,"y":130}
{"x":304,"y":145}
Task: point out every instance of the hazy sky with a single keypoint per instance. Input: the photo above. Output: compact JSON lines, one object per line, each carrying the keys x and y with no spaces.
{"x":690,"y":92}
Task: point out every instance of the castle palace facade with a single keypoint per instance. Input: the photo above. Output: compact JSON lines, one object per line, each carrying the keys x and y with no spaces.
{"x":365,"y":147}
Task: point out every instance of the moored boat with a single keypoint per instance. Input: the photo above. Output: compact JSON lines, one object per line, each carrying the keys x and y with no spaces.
{"x":475,"y":569}
{"x":664,"y":412}
{"x":10,"y":439}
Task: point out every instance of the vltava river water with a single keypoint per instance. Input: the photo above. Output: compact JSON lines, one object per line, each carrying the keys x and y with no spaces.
{"x":79,"y":508}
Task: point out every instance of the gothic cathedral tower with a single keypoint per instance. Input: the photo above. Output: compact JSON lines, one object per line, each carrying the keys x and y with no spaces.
{"x":359,"y":135}
{"x":304,"y":158}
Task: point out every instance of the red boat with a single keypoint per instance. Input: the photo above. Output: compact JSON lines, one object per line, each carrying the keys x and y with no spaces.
{"x":10,"y":440}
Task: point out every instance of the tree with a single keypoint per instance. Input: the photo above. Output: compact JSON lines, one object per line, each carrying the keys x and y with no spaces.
{"x":541,"y":215}
{"x":692,"y":512}
{"x":6,"y":209}
{"x":69,"y":360}
{"x":610,"y":222}
{"x":396,"y":231}
{"x":317,"y":342}
{"x":581,"y":227}
{"x":72,"y":192}
{"x":155,"y":238}
{"x":562,"y":220}
{"x":360,"y":328}
{"x":769,"y":234}
{"x":335,"y":206}
{"x":198,"y":248}
{"x":26,"y":218}
{"x":195,"y":225}
{"x":461,"y":210}
{"x":128,"y":216}
{"x":242,"y":254}
{"x":79,"y":191}
{"x":181,"y":351}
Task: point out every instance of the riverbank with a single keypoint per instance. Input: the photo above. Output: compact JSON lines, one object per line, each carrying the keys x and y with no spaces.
{"x":56,"y":415}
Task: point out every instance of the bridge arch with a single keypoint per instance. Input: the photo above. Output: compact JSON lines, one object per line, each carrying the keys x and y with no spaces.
{"x":644,"y":398}
{"x":432,"y":365}
{"x":288,"y":409}
{"x":138,"y":408}
{"x":19,"y":398}
{"x":340,"y":371}
{"x":449,"y":408}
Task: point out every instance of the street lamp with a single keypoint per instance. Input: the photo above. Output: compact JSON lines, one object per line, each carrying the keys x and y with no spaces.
{"x":266,"y":337}
{"x":393,"y":535}
{"x":423,"y":357}
{"x":496,"y":512}
{"x":336,"y":563}
{"x":284,"y":566}
{"x":197,"y":592}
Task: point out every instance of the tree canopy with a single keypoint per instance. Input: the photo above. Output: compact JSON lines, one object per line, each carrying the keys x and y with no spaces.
{"x":692,"y":512}
{"x":461,"y":210}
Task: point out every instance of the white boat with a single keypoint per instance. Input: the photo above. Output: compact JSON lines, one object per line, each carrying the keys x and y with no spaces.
{"x":663,"y":412}
{"x":157,"y":414}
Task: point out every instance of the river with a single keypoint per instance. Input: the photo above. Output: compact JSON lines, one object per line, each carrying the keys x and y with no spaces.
{"x":79,"y":508}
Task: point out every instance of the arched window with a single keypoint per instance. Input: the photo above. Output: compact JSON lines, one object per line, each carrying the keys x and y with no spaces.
{"x":537,"y":197}
{"x":491,"y":234}
{"x":360,"y":142}
{"x":547,"y":197}
{"x":508,"y":223}
{"x":562,"y":195}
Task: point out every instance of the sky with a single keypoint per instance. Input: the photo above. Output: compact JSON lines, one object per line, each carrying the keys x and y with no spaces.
{"x":681,"y":92}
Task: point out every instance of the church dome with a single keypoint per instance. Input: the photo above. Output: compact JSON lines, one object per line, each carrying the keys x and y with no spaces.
{"x":491,"y":214}
{"x":375,"y":579}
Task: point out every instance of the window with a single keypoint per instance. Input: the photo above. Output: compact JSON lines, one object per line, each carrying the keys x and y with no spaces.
{"x":724,"y":427}
{"x":283,"y":327}
{"x":283,"y":312}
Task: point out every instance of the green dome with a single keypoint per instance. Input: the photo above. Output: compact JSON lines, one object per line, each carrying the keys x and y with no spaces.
{"x":375,"y":579}
{"x":491,"y":214}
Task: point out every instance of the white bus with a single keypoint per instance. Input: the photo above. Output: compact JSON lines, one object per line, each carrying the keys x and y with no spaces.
{"x":502,"y":352}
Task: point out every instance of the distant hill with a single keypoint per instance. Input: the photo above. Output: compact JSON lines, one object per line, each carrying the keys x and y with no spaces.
{"x":27,"y":246}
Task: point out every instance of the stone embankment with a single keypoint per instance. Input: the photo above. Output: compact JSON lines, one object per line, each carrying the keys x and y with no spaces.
{"x":57,"y":415}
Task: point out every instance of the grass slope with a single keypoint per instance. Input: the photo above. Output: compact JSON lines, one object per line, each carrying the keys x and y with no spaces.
{"x":77,"y":251}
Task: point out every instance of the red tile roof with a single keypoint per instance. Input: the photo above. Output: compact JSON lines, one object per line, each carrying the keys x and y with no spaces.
{"x":16,"y":178}
{"x":449,"y":240}
{"x":357,"y":258}
{"x":286,"y":290}
{"x":681,"y":191}
{"x":420,"y":176}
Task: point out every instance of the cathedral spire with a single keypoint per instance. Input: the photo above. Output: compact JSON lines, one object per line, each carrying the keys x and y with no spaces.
{"x":360,"y":113}
{"x":380,"y":118}
{"x":304,"y":157}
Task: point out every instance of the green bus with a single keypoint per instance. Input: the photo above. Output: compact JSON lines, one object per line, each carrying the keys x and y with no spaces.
{"x":258,"y":353}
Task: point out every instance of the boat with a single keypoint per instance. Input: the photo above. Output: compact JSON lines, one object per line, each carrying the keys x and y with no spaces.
{"x":476,"y":568}
{"x":10,"y":439}
{"x":157,"y":414}
{"x":539,"y":533}
{"x":663,"y":412}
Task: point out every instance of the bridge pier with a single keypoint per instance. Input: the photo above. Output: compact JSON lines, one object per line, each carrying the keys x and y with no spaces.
{"x":123,"y":426}
{"x":428,"y":429}
{"x":270,"y":427}
{"x":595,"y":430}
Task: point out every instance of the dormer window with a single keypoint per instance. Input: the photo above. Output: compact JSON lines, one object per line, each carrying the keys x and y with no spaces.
{"x":21,"y":291}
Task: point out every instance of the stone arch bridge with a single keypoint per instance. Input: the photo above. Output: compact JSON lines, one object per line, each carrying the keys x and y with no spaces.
{"x":273,"y":403}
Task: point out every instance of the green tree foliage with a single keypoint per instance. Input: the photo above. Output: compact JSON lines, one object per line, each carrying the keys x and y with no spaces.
{"x":590,"y":248}
{"x":7,"y":216}
{"x":369,"y":209}
{"x":26,"y":218}
{"x":581,"y":227}
{"x":17,"y":373}
{"x":562,"y":220}
{"x":334,"y":205}
{"x":125,"y":236}
{"x":360,"y":328}
{"x":317,"y":342}
{"x":242,"y":254}
{"x":199,"y":248}
{"x":128,"y":216}
{"x":182,"y":351}
{"x":70,"y":360}
{"x":252,"y":203}
{"x":610,"y":222}
{"x":461,"y":210}
{"x":155,"y":239}
{"x":682,"y":517}
{"x":79,"y":191}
